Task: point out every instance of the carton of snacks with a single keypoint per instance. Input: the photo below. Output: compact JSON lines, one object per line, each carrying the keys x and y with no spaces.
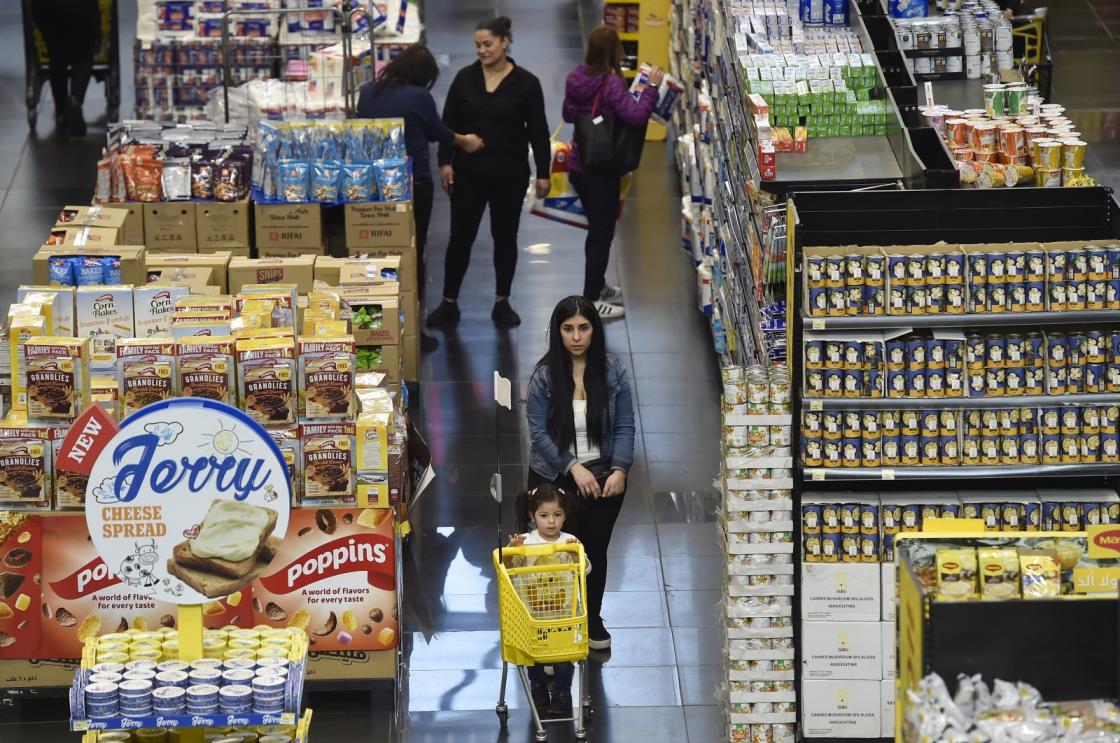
{"x":26,"y":465}
{"x":206,"y":368}
{"x":266,"y":379}
{"x":221,"y":304}
{"x":43,"y":302}
{"x":956,"y":574}
{"x":57,"y":378}
{"x":326,"y":378}
{"x":1041,"y":574}
{"x":200,"y":327}
{"x":155,"y":305}
{"x":284,"y":297}
{"x":999,"y":574}
{"x":287,"y":440}
{"x":21,"y":328}
{"x":326,"y":328}
{"x":328,"y":463}
{"x":62,"y":309}
{"x":105,"y":391}
{"x":146,"y":370}
{"x":373,"y":439}
{"x":105,"y":313}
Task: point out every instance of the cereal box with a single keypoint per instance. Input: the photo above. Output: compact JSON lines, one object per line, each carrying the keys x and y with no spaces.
{"x":22,"y":328}
{"x":21,"y":545}
{"x":154,"y":304}
{"x":62,"y":308}
{"x":105,"y":313}
{"x":26,"y":465}
{"x":104,"y":391}
{"x":57,"y":378}
{"x":287,"y":439}
{"x":266,"y":380}
{"x":328,"y":462}
{"x":206,"y":368}
{"x":146,"y":370}
{"x":326,"y":378}
{"x":334,"y":577}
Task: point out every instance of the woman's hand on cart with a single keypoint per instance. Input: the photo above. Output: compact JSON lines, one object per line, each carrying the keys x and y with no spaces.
{"x":516,"y":540}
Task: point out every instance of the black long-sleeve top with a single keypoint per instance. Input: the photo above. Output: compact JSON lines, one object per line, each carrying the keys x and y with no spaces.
{"x":508,"y":120}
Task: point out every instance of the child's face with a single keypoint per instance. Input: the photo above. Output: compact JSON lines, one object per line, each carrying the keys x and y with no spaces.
{"x":549,"y":519}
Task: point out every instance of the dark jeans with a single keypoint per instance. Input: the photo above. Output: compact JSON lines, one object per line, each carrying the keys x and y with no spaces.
{"x":70,"y":29}
{"x":423,"y":191}
{"x":561,"y":676}
{"x":592,"y":524}
{"x":470,"y":196}
{"x":599,"y":196}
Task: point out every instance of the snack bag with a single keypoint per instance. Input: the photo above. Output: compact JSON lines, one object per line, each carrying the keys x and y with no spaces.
{"x":357,"y":183}
{"x":956,"y":574}
{"x":325,"y":176}
{"x":562,"y":202}
{"x":1041,"y":576}
{"x":999,"y":574}
{"x":294,"y":180}
{"x":394,"y":179}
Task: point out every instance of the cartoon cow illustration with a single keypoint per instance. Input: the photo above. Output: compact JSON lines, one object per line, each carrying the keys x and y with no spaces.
{"x":139,"y":569}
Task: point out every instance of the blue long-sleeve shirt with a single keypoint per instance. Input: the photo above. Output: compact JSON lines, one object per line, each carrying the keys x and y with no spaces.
{"x":422,"y":123}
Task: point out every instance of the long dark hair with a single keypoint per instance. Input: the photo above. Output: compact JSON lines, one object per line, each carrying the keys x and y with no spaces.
{"x":414,"y":66}
{"x":604,"y":52}
{"x":528,"y":501}
{"x":561,"y":423}
{"x":501,"y":26}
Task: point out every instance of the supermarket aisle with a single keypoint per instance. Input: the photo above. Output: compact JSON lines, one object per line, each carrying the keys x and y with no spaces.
{"x":664,"y":574}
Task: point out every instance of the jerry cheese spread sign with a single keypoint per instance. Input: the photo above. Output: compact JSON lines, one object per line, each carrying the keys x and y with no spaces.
{"x":187,"y":502}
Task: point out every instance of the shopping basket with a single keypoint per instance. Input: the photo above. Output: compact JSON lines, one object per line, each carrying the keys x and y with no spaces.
{"x":542,"y":615}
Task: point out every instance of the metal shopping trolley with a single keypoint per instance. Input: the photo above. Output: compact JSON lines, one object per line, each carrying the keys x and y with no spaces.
{"x":106,"y":61}
{"x":542,"y":611}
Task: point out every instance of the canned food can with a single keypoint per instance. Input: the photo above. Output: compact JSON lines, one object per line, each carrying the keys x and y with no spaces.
{"x":977,"y":298}
{"x":911,"y":455}
{"x":896,"y":383}
{"x":911,"y":422}
{"x":935,"y":353}
{"x":1091,"y":514}
{"x":935,"y":299}
{"x":1112,"y":253}
{"x":851,"y":421}
{"x":834,"y":355}
{"x":811,"y":547}
{"x":1070,"y":518}
{"x":928,"y":421}
{"x":887,"y":546}
{"x":1108,"y":418}
{"x":1015,"y":350}
{"x":1010,"y":519}
{"x":916,"y":382}
{"x":874,"y":301}
{"x":1030,"y":515}
{"x":954,"y":268}
{"x":849,"y":545}
{"x":853,"y":355}
{"x":855,"y":301}
{"x":1009,"y":449}
{"x":1076,"y":298}
{"x":1017,"y":297}
{"x":891,"y":516}
{"x":837,"y":302}
{"x":934,"y":268}
{"x":1071,"y":420}
{"x":872,"y":451}
{"x":1028,"y":420}
{"x":1051,"y":516}
{"x":995,"y":383}
{"x":935,"y":383}
{"x":1058,"y":264}
{"x":891,"y":450}
{"x":970,"y":511}
{"x":953,"y":300}
{"x":850,"y":455}
{"x":1035,"y":265}
{"x":1058,"y":295}
{"x":971,"y":421}
{"x":1051,"y":420}
{"x":854,"y":274}
{"x":896,"y":266}
{"x":989,"y":449}
{"x":1014,"y":382}
{"x":1095,"y":344}
{"x":954,"y":383}
{"x":1015,"y":266}
{"x":989,"y":514}
{"x":997,"y":266}
{"x":833,"y":382}
{"x":1035,"y":296}
{"x":818,"y":302}
{"x":1075,"y":379}
{"x":1078,"y":264}
{"x":989,"y":421}
{"x":869,"y":547}
{"x":869,"y":422}
{"x":1028,"y":448}
{"x":873,"y":264}
{"x":1095,"y":379}
{"x":977,"y":268}
{"x":911,"y":518}
{"x":1113,"y":289}
{"x":873,"y":383}
{"x":811,"y":422}
{"x":896,"y":354}
{"x":917,"y":299}
{"x":890,"y":421}
{"x":1090,"y":444}
{"x":896,"y":300}
{"x":1070,"y":444}
{"x":930,"y":449}
{"x":1057,"y":349}
{"x":831,"y":423}
{"x":948,"y":450}
{"x":815,"y":270}
{"x":950,"y":511}
{"x":930,"y":511}
{"x":812,"y":451}
{"x":852,"y":383}
{"x":1097,"y":256}
{"x":1110,"y":449}
{"x":997,"y":295}
{"x":814,"y":382}
{"x":916,"y":270}
{"x":1096,"y":294}
{"x":976,"y":351}
{"x":834,"y":271}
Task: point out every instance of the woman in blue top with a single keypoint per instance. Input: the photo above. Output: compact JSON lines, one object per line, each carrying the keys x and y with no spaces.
{"x":581,"y":423}
{"x":403,"y":90}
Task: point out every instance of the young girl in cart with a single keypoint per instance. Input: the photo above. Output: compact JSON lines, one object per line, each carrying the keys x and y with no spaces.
{"x":546,"y":508}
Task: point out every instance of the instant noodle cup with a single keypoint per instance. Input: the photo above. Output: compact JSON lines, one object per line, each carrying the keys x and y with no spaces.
{"x":1046,"y":178}
{"x":991,"y":176}
{"x":984,"y":137}
{"x":1013,"y":140}
{"x":957,"y":131}
{"x":1047,"y":154}
{"x":1073,"y":153}
{"x":986,"y":157}
{"x":1071,"y":175}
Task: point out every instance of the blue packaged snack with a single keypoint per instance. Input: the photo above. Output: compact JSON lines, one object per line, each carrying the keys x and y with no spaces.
{"x":294,"y":181}
{"x":357,"y":183}
{"x":325,"y":177}
{"x":89,"y":271}
{"x":394,"y":179}
{"x":111,"y":266}
{"x":61,"y":270}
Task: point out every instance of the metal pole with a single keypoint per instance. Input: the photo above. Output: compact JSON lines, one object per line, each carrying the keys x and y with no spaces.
{"x":225,"y":61}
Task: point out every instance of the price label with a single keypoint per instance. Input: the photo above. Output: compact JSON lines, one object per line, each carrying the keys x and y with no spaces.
{"x":816,"y":405}
{"x":888,"y":474}
{"x":819,"y":324}
{"x":818,"y":475}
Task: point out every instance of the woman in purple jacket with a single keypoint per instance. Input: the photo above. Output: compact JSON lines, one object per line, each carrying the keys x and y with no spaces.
{"x":600,"y":77}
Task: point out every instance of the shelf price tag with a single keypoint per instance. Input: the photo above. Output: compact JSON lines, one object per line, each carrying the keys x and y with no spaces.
{"x":816,"y":405}
{"x":817,"y":475}
{"x":819,"y":324}
{"x":887,"y":474}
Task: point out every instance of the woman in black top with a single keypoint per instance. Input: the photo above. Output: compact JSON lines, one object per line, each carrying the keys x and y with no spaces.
{"x":504,"y":105}
{"x":402,"y":90}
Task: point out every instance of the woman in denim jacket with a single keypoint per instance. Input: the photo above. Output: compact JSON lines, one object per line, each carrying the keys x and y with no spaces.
{"x":581,"y":418}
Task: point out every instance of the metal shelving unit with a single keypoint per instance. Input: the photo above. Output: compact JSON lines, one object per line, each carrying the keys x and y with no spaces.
{"x":879,"y":474}
{"x":882,"y":322}
{"x":957,"y":403}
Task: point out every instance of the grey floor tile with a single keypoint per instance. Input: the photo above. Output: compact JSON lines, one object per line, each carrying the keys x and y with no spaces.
{"x":700,"y":685}
{"x":693,"y":572}
{"x":698,"y":646}
{"x":705,"y":724}
{"x":694,"y":609}
{"x":634,"y":609}
{"x":688,"y":539}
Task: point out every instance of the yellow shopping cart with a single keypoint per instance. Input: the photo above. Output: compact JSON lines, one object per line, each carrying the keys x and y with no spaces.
{"x":542,"y":612}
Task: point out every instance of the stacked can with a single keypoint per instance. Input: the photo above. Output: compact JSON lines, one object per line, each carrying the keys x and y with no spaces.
{"x":842,"y":285}
{"x":136,"y":698}
{"x":169,"y":700}
{"x":239,"y":699}
{"x":202,"y":699}
{"x":839,"y":532}
{"x":102,"y":700}
{"x":1074,"y":514}
{"x":1005,"y":365}
{"x":757,"y":531}
{"x":1006,"y":436}
{"x":924,"y":367}
{"x":1080,"y":434}
{"x":922,"y":284}
{"x":843,"y":368}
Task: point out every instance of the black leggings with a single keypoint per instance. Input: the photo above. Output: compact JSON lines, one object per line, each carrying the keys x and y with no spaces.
{"x":470,"y":196}
{"x":599,"y":196}
{"x":593,"y":524}
{"x":71,"y":29}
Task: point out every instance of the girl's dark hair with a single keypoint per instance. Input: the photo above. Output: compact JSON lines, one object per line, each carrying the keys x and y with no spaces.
{"x":414,"y":66}
{"x":604,"y":52}
{"x":561,"y":423}
{"x":501,"y":26}
{"x":529,"y":501}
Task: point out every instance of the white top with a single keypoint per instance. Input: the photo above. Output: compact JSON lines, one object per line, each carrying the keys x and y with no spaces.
{"x":534,"y":538}
{"x":582,"y":448}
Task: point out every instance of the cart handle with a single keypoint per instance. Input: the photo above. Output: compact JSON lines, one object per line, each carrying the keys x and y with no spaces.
{"x":541,"y":550}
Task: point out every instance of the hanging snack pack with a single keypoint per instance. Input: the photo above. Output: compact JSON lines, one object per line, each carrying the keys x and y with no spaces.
{"x":326,"y":378}
{"x":956,"y":574}
{"x":325,"y":177}
{"x":1041,"y":575}
{"x":294,"y":179}
{"x":357,"y":183}
{"x":328,"y":462}
{"x":206,"y":369}
{"x":57,"y":378}
{"x":146,"y":373}
{"x":394,"y":179}
{"x":176,"y":179}
{"x":266,"y":376}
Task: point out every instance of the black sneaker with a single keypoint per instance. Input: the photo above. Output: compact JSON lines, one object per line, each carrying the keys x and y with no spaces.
{"x":75,"y":121}
{"x":597,"y":636}
{"x":561,"y":705}
{"x":428,"y":343}
{"x":446,"y":315}
{"x":541,"y":699}
{"x":504,"y":316}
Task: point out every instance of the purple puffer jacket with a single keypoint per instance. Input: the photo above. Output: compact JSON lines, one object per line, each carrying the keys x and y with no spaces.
{"x":579,"y":97}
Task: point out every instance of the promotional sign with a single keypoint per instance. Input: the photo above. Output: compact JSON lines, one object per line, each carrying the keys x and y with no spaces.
{"x":1104,"y":541}
{"x":187,"y":502}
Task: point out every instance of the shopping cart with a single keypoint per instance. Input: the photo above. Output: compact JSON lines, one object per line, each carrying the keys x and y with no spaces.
{"x":106,"y":61}
{"x":542,"y":613}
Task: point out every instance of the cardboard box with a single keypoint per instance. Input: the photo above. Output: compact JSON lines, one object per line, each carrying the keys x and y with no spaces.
{"x":170,"y":225}
{"x":132,"y":260}
{"x":175,"y":267}
{"x":408,"y":271}
{"x":330,"y":269}
{"x":222,"y":225}
{"x":133,"y":231}
{"x":390,"y":362}
{"x":298,"y":270}
{"x":886,"y":715}
{"x":840,"y":592}
{"x":360,"y":664}
{"x":92,"y":216}
{"x":80,"y":237}
{"x":842,"y":650}
{"x":889,"y":591}
{"x":289,"y":225}
{"x":280,"y":251}
{"x":388,"y":332}
{"x":378,"y":225}
{"x":841,"y":709}
{"x":890,"y":650}
{"x":410,"y":358}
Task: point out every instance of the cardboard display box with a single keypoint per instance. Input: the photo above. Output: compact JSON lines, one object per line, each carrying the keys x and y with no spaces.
{"x":840,"y":592}
{"x":190,"y":268}
{"x":280,"y":251}
{"x":890,"y":649}
{"x":289,"y":226}
{"x":842,"y":650}
{"x":841,"y":709}
{"x":379,"y":225}
{"x":298,"y":270}
{"x":886,"y":697}
{"x":890,"y":591}
{"x":171,"y":225}
{"x":390,"y":363}
{"x":93,"y":216}
{"x":133,"y":231}
{"x":223,"y":226}
{"x":410,"y":357}
{"x":132,"y":260}
{"x":408,"y":271}
{"x":82,"y":236}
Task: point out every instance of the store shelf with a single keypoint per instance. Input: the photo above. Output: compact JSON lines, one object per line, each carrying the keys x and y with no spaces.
{"x":880,"y":474}
{"x":965,"y":403}
{"x":856,"y":159}
{"x":880,"y":322}
{"x":915,"y":53}
{"x":182,"y":721}
{"x":933,"y":76}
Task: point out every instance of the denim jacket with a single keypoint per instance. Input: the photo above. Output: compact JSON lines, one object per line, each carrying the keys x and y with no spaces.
{"x":545,"y":457}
